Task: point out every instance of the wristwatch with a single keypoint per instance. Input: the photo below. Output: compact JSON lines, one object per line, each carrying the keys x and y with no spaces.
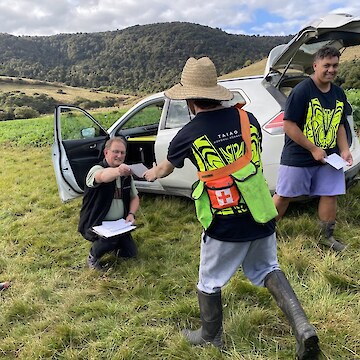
{"x":131,"y":213}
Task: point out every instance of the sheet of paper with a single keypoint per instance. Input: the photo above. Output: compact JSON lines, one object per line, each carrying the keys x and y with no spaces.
{"x":112,"y":228}
{"x":336,"y":161}
{"x":138,"y":169}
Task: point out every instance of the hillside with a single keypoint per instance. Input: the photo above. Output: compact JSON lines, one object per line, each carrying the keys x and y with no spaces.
{"x":22,"y":98}
{"x":26,"y":98}
{"x":254,"y":69}
{"x":138,"y":59}
{"x":257,"y":68}
{"x":61,"y":93}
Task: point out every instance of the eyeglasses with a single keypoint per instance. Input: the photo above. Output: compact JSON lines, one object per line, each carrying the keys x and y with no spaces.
{"x":117,"y":152}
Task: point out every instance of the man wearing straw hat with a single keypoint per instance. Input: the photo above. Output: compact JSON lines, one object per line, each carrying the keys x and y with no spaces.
{"x":232,"y":201}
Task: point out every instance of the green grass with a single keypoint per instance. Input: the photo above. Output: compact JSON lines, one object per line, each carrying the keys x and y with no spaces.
{"x":39,"y":132}
{"x":58,"y":309}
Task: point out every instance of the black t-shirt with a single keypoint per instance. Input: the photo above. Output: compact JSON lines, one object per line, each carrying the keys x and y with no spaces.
{"x":219,"y":130}
{"x":318,"y":115}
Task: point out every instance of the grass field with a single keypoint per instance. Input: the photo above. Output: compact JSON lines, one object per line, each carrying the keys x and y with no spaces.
{"x":59,"y":309}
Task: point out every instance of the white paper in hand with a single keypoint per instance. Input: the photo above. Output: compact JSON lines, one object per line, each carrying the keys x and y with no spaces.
{"x":138,"y":169}
{"x":336,"y":161}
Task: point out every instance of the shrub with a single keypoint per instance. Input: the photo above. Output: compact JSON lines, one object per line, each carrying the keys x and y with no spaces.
{"x":6,"y":114}
{"x":25,"y":112}
{"x":353,"y":96}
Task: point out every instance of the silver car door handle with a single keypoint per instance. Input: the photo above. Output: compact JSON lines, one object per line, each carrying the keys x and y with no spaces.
{"x":93,"y":146}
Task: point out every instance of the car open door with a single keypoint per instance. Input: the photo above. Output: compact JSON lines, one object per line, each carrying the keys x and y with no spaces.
{"x":140,"y":126}
{"x":78,"y":145}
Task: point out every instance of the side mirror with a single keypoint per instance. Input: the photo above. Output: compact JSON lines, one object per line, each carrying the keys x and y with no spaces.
{"x":87,"y":133}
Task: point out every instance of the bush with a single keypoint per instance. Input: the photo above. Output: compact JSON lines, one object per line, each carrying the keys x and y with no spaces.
{"x":6,"y":114}
{"x":353,"y":96}
{"x":349,"y":75}
{"x":42,"y":103}
{"x":25,"y":112}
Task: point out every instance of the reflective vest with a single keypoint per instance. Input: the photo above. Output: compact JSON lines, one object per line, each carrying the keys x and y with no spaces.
{"x":248,"y":179}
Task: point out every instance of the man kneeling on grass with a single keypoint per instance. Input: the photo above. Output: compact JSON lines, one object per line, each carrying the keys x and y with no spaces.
{"x":110,"y":194}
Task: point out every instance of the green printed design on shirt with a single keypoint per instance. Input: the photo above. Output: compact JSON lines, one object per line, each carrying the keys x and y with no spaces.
{"x":321,"y":124}
{"x":208,"y":157}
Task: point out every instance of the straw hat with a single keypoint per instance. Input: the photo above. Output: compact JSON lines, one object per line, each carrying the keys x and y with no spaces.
{"x":199,"y":81}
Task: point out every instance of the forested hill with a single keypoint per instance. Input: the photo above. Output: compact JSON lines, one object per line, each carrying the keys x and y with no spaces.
{"x":138,"y":59}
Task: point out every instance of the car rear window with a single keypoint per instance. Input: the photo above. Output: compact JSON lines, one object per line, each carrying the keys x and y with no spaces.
{"x":178,"y":113}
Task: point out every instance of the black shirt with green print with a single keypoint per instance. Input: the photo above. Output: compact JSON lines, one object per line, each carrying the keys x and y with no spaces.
{"x":318,"y":115}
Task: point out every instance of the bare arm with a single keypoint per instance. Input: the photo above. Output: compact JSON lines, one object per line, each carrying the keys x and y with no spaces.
{"x":343,"y":145}
{"x":159,"y":171}
{"x":134,"y":205}
{"x":110,"y":174}
{"x":294,"y":132}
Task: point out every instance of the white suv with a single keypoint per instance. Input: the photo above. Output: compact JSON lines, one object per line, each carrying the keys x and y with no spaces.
{"x":150,"y":125}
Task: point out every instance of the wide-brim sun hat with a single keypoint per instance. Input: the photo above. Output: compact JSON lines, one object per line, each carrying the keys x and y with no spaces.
{"x":199,"y":81}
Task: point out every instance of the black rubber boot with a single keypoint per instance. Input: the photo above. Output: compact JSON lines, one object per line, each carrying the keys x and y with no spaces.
{"x":327,"y":236}
{"x":307,"y":342}
{"x":211,"y":319}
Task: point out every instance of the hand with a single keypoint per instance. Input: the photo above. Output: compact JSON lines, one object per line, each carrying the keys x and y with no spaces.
{"x":150,"y":175}
{"x":130,"y":218}
{"x":319,"y":154}
{"x":124,"y":170}
{"x":346,"y":155}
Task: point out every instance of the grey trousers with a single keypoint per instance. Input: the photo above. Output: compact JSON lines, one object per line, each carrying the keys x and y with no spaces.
{"x":219,"y":260}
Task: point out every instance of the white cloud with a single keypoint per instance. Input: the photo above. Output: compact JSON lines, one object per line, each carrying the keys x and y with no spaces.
{"x":47,"y":17}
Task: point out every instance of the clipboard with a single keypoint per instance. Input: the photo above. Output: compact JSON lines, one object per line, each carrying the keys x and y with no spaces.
{"x":112,"y":228}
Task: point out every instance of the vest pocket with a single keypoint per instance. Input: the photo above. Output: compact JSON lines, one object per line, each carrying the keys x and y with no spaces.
{"x":223,"y":192}
{"x":257,"y":197}
{"x":245,"y":173}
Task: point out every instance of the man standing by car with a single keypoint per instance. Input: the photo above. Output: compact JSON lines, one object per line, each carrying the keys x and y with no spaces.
{"x":232,"y":201}
{"x":110,"y":194}
{"x":314,"y":125}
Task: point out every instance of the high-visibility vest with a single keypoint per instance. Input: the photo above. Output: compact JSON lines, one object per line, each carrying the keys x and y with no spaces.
{"x":248,"y":178}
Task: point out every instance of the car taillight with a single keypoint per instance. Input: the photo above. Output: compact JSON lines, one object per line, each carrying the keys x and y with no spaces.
{"x":276,"y":125}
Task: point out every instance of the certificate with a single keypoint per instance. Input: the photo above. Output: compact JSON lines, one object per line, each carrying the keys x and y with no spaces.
{"x":138,"y":169}
{"x":336,"y":161}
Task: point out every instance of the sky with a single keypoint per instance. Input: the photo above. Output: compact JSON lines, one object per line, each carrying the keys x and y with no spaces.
{"x":249,"y":17}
